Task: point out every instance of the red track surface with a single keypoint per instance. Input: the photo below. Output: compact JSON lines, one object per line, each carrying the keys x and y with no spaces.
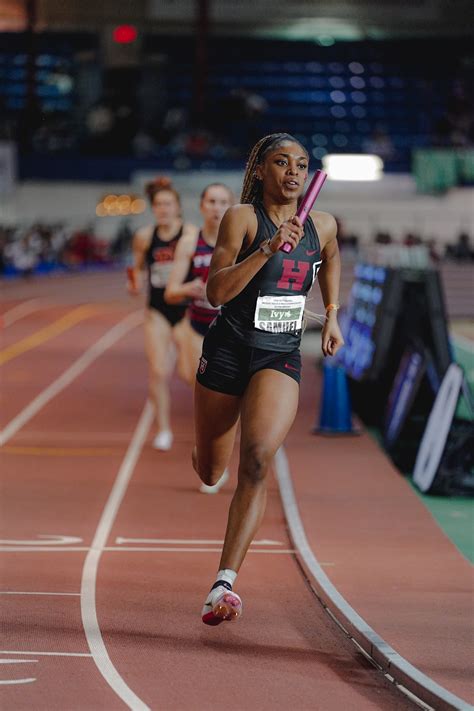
{"x":59,"y":470}
{"x":390,"y":560}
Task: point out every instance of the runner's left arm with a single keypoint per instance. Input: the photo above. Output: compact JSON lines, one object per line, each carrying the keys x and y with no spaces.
{"x":329,"y":277}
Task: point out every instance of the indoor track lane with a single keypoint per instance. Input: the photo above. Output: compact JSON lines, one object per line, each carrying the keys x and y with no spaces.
{"x":284,"y":652}
{"x":37,"y":349}
{"x":53,"y":487}
{"x":393,"y":564}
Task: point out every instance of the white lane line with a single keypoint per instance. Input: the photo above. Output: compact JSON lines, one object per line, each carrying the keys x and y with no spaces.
{"x":142,"y":549}
{"x":54,"y":436}
{"x":40,"y":549}
{"x":47,"y":654}
{"x":44,"y":540}
{"x":181,"y":549}
{"x":6,"y":682}
{"x":33,"y":592}
{"x":78,"y":367}
{"x":189,"y":541}
{"x":20,"y":310}
{"x":89,"y":573}
{"x":18,"y":661}
{"x":377,"y":648}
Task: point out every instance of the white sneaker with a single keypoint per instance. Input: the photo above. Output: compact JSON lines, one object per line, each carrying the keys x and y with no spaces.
{"x":163,"y":440}
{"x":206,"y":489}
{"x":221,"y":605}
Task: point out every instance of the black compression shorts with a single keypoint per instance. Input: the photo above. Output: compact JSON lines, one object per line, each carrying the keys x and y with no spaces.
{"x":173,"y":313}
{"x":199,"y":327}
{"x":227,"y":364}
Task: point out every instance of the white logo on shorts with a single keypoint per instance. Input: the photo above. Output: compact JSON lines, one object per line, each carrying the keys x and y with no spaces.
{"x":202,"y":365}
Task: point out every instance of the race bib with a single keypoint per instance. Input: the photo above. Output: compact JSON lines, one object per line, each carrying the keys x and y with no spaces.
{"x":279,"y":314}
{"x":159,"y":273}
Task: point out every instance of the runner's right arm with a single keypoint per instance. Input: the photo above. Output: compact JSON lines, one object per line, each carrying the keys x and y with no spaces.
{"x":226,"y":278}
{"x":140,"y":244}
{"x":177,"y":289}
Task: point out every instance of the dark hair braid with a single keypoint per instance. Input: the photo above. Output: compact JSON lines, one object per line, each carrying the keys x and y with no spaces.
{"x":251,"y":188}
{"x":252,"y":191}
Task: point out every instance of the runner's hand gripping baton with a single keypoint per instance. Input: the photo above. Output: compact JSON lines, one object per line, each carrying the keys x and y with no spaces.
{"x":307,"y":202}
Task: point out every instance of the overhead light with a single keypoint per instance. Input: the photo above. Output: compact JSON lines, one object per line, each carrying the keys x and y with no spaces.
{"x":325,"y":40}
{"x":138,"y":205}
{"x":125,"y":34}
{"x":353,"y":166}
{"x":114,"y":205}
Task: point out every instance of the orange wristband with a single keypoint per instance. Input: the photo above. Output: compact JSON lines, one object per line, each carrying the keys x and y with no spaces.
{"x":332,"y":307}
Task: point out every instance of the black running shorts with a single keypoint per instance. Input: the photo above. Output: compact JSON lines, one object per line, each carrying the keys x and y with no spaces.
{"x":227,"y":364}
{"x":173,"y":313}
{"x":199,"y":326}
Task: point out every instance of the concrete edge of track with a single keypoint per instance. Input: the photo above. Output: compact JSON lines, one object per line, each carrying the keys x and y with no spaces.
{"x":404,"y":674}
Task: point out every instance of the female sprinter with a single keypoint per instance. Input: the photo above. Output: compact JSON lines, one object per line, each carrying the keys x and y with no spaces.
{"x":250,"y":364}
{"x":192,"y":260}
{"x":154,"y":249}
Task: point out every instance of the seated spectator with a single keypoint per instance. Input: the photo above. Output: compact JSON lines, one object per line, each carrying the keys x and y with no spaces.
{"x":23,"y":255}
{"x":122,"y":241}
{"x":144,"y":145}
{"x":380,"y":144}
{"x":197,"y":144}
{"x":345,"y":238}
{"x":461,"y":251}
{"x":80,"y":248}
{"x":3,"y":244}
{"x":433,"y":251}
{"x":383,"y":238}
{"x":411,"y":240}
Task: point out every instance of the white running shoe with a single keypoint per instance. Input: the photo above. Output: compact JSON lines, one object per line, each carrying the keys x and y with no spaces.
{"x":163,"y":440}
{"x":221,"y":605}
{"x":206,"y":489}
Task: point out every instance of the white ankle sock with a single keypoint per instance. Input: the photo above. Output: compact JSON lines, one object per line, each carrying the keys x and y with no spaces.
{"x":228,"y":575}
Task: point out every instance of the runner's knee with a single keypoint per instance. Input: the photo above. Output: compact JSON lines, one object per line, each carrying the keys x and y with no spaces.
{"x":209,"y":472}
{"x":157,"y":373}
{"x":186,"y":372}
{"x":254,"y":462}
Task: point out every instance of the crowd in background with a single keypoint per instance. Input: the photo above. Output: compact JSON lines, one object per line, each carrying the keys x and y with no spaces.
{"x":388,"y":98}
{"x":44,"y":248}
{"x":81,"y":108}
{"x":113,"y":127}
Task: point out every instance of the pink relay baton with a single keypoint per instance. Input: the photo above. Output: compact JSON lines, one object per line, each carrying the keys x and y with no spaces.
{"x":307,"y":202}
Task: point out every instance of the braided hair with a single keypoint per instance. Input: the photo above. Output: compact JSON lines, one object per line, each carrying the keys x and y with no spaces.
{"x":252,"y":190}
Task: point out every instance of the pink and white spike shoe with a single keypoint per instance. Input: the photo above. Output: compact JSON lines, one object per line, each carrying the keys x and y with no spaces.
{"x":222,"y":605}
